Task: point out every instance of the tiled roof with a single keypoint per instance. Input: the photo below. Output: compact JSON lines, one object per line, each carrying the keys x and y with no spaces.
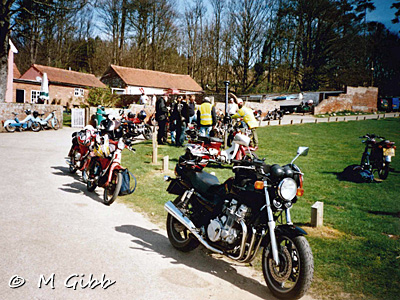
{"x":69,"y":77}
{"x":148,"y":78}
{"x":16,"y":73}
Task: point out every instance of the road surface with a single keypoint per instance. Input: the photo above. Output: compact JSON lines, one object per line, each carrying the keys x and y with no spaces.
{"x":58,"y":238}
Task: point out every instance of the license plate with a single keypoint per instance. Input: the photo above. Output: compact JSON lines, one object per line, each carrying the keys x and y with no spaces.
{"x":388,"y":151}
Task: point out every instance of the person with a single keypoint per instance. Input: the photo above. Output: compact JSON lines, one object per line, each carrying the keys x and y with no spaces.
{"x":206,"y":117}
{"x":153,"y":100}
{"x":100,"y":112}
{"x":180,"y":115}
{"x":232,"y":107}
{"x":249,"y":119}
{"x":161,"y":118}
{"x":143,"y":99}
{"x":192,"y":109}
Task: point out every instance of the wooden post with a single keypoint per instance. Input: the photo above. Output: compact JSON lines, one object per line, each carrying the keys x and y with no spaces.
{"x":316,"y":121}
{"x":377,"y":117}
{"x":155,"y":149}
{"x":329,"y":119}
{"x":365,"y":118}
{"x":165,"y":163}
{"x":291,"y":122}
{"x":280,"y":122}
{"x":301,"y":121}
{"x":357,"y":118}
{"x":317,"y":214}
{"x":269,"y":123}
{"x":337,"y":119}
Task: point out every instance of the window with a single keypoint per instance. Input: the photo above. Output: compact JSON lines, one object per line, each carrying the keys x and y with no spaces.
{"x":118,"y":91}
{"x":35,"y":96}
{"x":79,"y":92}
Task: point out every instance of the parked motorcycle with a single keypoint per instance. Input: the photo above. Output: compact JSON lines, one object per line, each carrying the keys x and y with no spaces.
{"x":28,"y":123}
{"x":377,"y":154}
{"x":80,"y":153}
{"x":237,"y":218}
{"x":137,"y":126}
{"x":211,"y":147}
{"x":275,"y":114}
{"x":105,"y":168}
{"x":50,"y":121}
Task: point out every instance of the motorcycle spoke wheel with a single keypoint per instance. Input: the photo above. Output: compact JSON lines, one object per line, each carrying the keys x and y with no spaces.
{"x":112,"y":190}
{"x":383,"y":171}
{"x":10,"y":128}
{"x":148,"y":134}
{"x":55,"y":124}
{"x":292,"y":277}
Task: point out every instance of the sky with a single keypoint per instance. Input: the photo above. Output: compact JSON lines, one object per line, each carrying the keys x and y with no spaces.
{"x":384,"y":14}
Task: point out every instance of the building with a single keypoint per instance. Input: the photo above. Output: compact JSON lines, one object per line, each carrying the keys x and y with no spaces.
{"x":67,"y":88}
{"x":132,"y":81}
{"x":12,"y":72}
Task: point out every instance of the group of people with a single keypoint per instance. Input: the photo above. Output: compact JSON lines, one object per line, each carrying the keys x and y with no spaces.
{"x":182,"y":111}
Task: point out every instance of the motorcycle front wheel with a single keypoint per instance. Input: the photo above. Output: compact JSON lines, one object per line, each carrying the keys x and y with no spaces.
{"x":178,"y":235}
{"x":55,"y":124}
{"x":292,"y":278}
{"x":10,"y":128}
{"x":383,"y":171}
{"x":112,"y":190}
{"x":148,"y":133}
{"x":36,"y":127}
{"x":72,"y":167}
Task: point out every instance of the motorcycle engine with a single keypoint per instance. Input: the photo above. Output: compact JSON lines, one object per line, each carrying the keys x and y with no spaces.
{"x":223,"y":228}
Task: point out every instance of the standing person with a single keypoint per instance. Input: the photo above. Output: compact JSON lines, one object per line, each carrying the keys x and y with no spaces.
{"x":143,"y":99}
{"x":232,"y":107}
{"x":161,"y":118}
{"x":206,"y":117}
{"x":248,"y":117}
{"x":100,"y":112}
{"x":180,"y":115}
{"x":153,"y":100}
{"x":192,"y":109}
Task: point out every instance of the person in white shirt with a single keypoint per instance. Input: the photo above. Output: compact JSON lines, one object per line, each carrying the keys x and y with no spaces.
{"x":143,"y":99}
{"x":232,"y":107}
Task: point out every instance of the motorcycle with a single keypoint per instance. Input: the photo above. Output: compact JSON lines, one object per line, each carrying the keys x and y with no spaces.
{"x":50,"y":121}
{"x":377,"y":154}
{"x":105,"y":168}
{"x":211,"y":147}
{"x":28,"y":123}
{"x":80,"y":153}
{"x":137,"y":126}
{"x":276,"y":114}
{"x":237,"y":218}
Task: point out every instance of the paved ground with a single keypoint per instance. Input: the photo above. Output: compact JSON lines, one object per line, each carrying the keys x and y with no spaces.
{"x":50,"y":224}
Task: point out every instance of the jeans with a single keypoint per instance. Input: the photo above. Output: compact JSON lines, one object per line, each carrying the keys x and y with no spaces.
{"x":205,"y":130}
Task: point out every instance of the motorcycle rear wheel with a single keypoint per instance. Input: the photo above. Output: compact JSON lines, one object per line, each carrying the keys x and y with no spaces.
{"x":112,"y":190}
{"x":178,"y":235}
{"x":292,"y":278}
{"x":10,"y":128}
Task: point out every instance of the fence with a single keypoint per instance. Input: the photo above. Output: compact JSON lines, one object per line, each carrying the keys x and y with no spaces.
{"x":78,"y":117}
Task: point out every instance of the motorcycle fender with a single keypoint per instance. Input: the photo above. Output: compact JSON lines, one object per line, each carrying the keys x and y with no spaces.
{"x":290,"y":231}
{"x":114,"y":166}
{"x":8,"y":122}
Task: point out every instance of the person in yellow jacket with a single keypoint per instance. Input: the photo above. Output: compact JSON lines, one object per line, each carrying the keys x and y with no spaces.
{"x":248,"y":117}
{"x":206,"y":117}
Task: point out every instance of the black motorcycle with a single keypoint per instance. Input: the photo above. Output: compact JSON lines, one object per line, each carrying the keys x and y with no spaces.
{"x":377,"y":154}
{"x":237,"y":218}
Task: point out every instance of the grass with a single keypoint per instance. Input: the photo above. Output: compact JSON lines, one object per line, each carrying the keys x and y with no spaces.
{"x":357,"y":252}
{"x":66,"y":119}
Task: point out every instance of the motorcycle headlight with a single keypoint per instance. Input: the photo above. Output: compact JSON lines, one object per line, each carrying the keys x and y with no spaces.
{"x":287,"y":189}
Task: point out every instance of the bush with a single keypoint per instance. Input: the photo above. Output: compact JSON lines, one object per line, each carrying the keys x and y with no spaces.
{"x":101,"y":96}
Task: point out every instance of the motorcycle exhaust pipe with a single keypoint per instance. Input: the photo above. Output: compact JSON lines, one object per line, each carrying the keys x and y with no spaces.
{"x":177,"y":214}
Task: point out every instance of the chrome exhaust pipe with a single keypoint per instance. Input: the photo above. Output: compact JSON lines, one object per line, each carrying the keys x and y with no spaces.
{"x":177,"y":214}
{"x":243,"y":244}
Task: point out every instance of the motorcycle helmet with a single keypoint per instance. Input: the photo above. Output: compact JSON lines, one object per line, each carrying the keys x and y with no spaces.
{"x":131,"y":115}
{"x":35,"y":114}
{"x":84,"y":138}
{"x":28,"y":111}
{"x":142,"y":115}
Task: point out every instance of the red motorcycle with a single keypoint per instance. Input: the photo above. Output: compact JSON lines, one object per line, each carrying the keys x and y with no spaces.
{"x":80,"y":152}
{"x":212,"y":147}
{"x":105,"y":168}
{"x":137,"y":126}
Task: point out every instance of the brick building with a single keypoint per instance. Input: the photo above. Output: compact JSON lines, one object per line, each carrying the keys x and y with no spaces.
{"x":66,"y":88}
{"x":132,"y":81}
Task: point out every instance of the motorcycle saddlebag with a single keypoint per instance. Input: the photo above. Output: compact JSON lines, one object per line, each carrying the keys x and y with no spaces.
{"x":175,"y":187}
{"x":127,"y":186}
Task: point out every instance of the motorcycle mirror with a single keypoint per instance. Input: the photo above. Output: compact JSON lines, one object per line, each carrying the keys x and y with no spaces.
{"x":167,"y":178}
{"x":302,"y":151}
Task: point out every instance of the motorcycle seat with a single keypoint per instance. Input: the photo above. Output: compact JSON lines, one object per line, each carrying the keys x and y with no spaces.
{"x":203,"y":181}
